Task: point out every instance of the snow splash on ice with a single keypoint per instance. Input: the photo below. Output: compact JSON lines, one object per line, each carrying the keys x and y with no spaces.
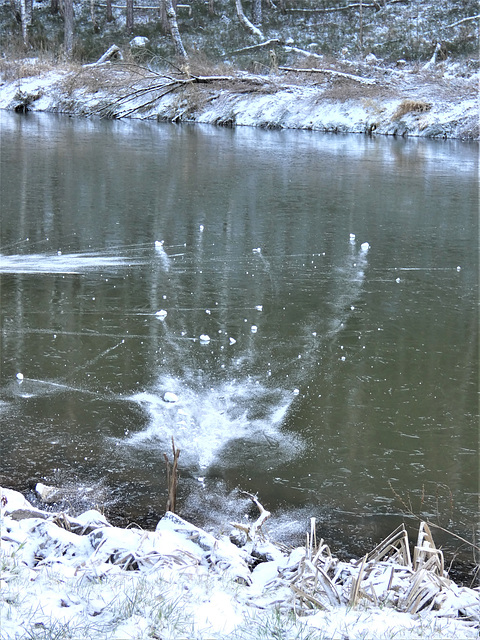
{"x":162,"y":254}
{"x":71,"y":263}
{"x":206,"y":419}
{"x":218,"y":417}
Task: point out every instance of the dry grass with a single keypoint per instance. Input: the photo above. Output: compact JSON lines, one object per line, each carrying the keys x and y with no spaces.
{"x":24,"y":68}
{"x":200,"y":65}
{"x":409,"y":106}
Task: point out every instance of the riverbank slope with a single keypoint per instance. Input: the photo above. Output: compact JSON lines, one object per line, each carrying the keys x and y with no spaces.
{"x":345,"y":97}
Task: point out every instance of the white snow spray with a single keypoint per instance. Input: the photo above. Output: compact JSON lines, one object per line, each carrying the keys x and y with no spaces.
{"x":206,"y":419}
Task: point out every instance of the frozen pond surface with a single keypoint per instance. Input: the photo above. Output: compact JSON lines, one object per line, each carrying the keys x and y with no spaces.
{"x":216,"y":286}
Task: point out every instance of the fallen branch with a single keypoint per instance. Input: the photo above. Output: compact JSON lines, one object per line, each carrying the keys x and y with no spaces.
{"x":160,"y":89}
{"x":254,"y":528}
{"x":302,"y":52}
{"x":355,"y":5}
{"x":256,"y":46}
{"x":454,"y":24}
{"x":146,"y":7}
{"x":330,"y":72}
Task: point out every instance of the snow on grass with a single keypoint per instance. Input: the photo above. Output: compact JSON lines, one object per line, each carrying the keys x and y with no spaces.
{"x":79,"y":577}
{"x":281,"y":102}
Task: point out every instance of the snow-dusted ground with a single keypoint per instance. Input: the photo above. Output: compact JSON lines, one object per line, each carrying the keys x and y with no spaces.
{"x":66,"y":577}
{"x":440,"y":103}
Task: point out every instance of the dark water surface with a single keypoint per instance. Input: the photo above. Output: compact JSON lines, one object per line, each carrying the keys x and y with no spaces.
{"x":336,"y":373}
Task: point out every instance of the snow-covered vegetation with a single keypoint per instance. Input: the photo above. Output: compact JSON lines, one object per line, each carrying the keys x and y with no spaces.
{"x":80,"y":577}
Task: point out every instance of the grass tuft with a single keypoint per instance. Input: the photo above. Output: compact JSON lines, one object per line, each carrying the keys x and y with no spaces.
{"x":409,"y":106}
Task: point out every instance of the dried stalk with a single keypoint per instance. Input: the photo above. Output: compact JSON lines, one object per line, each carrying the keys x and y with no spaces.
{"x":396,"y":542}
{"x":354,"y":593}
{"x":172,"y":477}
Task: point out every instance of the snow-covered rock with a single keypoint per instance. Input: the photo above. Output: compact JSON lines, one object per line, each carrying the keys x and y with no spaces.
{"x":139,"y":41}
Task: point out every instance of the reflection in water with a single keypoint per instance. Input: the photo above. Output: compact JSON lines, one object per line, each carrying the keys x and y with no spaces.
{"x":332,"y":367}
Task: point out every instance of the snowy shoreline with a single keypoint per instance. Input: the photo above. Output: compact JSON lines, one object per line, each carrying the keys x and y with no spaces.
{"x":82,"y":577}
{"x":385,"y":101}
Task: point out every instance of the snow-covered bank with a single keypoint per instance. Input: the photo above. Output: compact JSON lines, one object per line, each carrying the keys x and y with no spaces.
{"x":83,"y":578}
{"x":381,"y":100}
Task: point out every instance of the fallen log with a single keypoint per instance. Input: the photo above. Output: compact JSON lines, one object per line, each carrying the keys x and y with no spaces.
{"x":112,"y":52}
{"x":302,"y":52}
{"x":330,"y":72}
{"x":373,"y":5}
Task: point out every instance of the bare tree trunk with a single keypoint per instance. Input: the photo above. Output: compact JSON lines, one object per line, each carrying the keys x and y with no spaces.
{"x":54,"y":6}
{"x":257,"y":12}
{"x":68,"y":27}
{"x":129,"y":25}
{"x":173,"y":26}
{"x":92,"y":14}
{"x":26,"y":16}
{"x":109,"y":11}
{"x":245,"y":22}
{"x":361,"y":25}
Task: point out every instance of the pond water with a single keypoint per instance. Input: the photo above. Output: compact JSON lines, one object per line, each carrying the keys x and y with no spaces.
{"x":336,"y":278}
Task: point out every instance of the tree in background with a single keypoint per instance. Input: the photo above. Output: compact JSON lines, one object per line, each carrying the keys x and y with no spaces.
{"x":129,"y":25}
{"x":173,"y":26}
{"x":257,"y":12}
{"x":26,"y":8}
{"x":68,"y":16}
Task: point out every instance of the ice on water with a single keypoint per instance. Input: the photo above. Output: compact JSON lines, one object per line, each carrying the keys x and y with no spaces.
{"x":206,"y":418}
{"x":62,"y":262}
